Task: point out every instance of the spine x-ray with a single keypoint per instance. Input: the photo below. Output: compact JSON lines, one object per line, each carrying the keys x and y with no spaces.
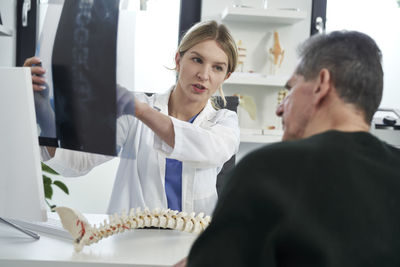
{"x":78,"y":47}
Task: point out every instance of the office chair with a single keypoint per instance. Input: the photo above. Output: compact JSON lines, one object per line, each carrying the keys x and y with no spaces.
{"x":232,"y":103}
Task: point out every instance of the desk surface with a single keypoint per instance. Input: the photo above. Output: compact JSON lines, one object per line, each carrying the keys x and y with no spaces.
{"x":139,"y":247}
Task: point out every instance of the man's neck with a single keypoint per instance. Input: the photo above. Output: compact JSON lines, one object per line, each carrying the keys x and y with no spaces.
{"x":345,"y":118}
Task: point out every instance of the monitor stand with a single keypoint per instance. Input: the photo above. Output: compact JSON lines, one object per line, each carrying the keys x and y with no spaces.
{"x":19,"y":228}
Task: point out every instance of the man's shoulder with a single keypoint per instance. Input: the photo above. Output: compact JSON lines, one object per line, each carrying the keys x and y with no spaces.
{"x":288,"y":147}
{"x":324,"y":144}
{"x":297,"y":150}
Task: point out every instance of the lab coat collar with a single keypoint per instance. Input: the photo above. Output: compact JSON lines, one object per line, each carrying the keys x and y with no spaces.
{"x":161,"y":103}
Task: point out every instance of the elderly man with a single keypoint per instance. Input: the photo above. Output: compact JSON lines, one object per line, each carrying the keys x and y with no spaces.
{"x":329,"y":195}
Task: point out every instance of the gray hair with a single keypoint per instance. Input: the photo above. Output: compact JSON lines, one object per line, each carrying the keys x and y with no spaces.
{"x":354,"y":62}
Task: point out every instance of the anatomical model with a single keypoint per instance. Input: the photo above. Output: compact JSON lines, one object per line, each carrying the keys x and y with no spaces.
{"x":248,"y":104}
{"x":242,"y":55}
{"x":281,"y":95}
{"x":85,"y":234}
{"x":276,"y":54}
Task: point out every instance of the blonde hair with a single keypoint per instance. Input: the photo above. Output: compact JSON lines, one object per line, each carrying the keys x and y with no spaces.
{"x":211,"y":30}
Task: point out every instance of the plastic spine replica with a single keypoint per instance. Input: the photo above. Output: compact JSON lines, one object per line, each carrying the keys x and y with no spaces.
{"x":85,"y":234}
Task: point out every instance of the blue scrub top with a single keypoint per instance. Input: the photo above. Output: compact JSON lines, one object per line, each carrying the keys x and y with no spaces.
{"x":173,"y":181}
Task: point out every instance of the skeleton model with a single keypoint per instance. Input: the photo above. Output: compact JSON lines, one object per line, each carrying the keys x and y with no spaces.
{"x":248,"y":104}
{"x":281,"y":95}
{"x":85,"y":234}
{"x":277,"y":54}
{"x":242,"y":54}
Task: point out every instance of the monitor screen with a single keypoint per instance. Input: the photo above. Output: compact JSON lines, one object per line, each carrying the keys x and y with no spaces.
{"x":21,"y":182}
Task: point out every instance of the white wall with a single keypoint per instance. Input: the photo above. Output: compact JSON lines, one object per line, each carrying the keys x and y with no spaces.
{"x":89,"y":193}
{"x":380,"y":19}
{"x":8,"y":43}
{"x":148,"y":43}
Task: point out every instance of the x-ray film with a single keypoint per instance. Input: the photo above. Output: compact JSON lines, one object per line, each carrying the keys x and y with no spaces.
{"x":81,"y":104}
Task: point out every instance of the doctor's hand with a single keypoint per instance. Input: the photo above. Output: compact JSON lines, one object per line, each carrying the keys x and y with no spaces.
{"x":44,"y":112}
{"x":45,"y":116}
{"x":38,"y":81}
{"x":125,"y":102}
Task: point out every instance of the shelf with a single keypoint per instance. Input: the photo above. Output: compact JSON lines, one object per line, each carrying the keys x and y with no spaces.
{"x":278,"y":16}
{"x":256,"y":79}
{"x":260,"y":136}
{"x":4,"y":31}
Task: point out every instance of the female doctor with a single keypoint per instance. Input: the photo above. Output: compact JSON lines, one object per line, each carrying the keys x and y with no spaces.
{"x":180,"y":141}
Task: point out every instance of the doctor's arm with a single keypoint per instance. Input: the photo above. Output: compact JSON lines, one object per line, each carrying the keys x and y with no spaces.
{"x":72,"y":163}
{"x":161,"y":124}
{"x":206,"y":144}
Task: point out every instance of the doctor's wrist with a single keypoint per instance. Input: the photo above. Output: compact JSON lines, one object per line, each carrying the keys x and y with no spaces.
{"x":141,"y":109}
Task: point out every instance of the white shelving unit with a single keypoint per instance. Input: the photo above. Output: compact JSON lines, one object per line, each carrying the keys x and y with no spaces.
{"x":253,"y":25}
{"x":256,"y":79}
{"x":4,"y":31}
{"x":260,"y":136}
{"x":274,"y":16}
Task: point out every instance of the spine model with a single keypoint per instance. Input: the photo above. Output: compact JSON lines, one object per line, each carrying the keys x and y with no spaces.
{"x":85,"y":234}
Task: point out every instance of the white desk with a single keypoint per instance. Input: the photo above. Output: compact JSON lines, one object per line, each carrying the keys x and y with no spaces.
{"x":139,"y":247}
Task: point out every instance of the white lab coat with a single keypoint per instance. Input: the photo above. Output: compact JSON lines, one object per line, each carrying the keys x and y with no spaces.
{"x":203,"y":147}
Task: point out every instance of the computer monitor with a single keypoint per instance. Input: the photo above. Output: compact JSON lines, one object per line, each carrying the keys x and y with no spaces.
{"x":386,"y":125}
{"x":21,"y":182}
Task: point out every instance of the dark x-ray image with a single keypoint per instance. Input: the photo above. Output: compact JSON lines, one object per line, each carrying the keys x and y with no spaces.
{"x":84,"y":75}
{"x":79,"y":108}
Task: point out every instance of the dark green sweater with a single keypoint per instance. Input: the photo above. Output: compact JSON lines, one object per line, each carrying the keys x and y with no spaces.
{"x":329,"y":200}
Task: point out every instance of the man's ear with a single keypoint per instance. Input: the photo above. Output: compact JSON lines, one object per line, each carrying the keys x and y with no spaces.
{"x":323,"y":87}
{"x":177,"y":61}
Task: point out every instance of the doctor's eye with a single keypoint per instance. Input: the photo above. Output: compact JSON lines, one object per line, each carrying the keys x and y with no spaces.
{"x":197,"y":60}
{"x":219,"y":68}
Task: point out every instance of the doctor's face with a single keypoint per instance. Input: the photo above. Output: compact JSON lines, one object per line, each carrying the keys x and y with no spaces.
{"x":201,"y":70}
{"x":296,"y":109}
